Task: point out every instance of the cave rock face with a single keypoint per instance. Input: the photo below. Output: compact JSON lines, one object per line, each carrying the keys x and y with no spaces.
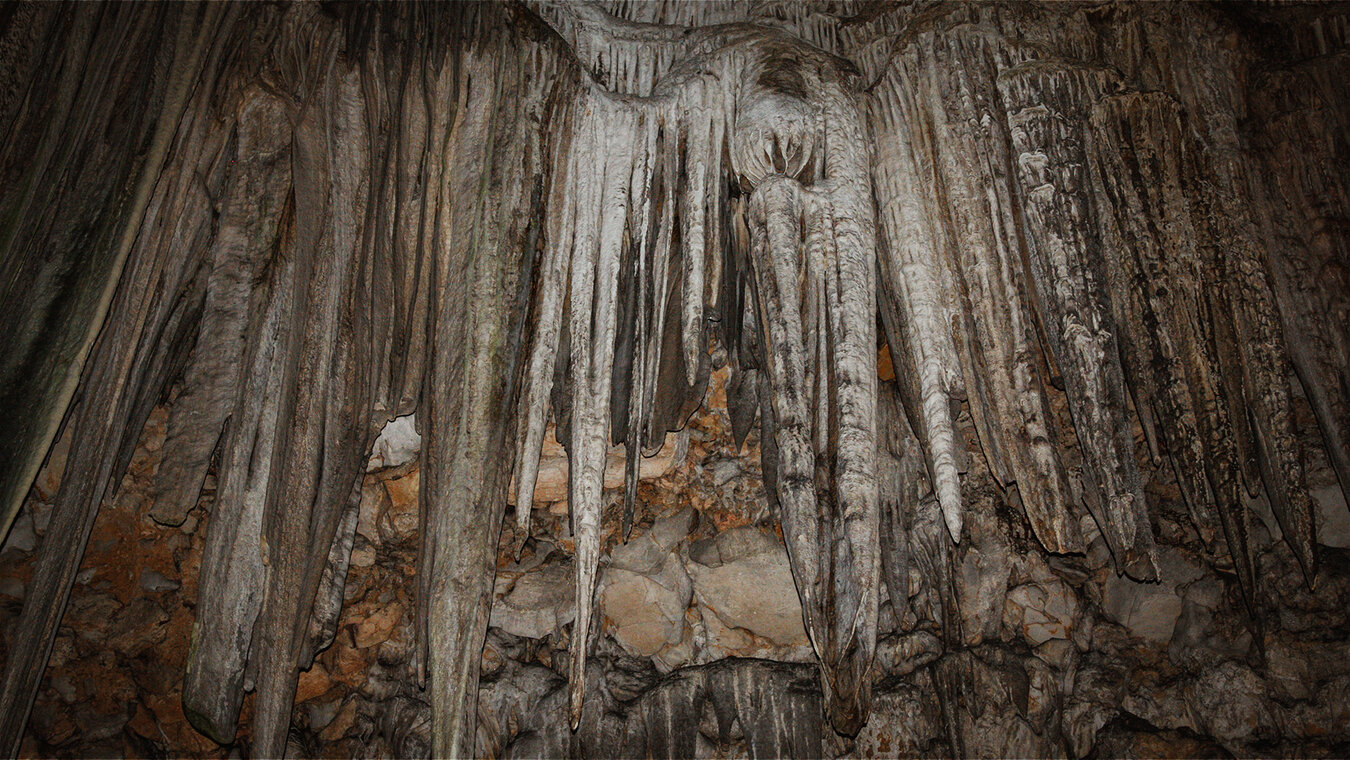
{"x":983,"y":330}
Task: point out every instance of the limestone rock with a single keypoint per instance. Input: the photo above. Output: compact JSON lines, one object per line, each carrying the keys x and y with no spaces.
{"x":400,"y":521}
{"x":374,"y":501}
{"x":397,"y":444}
{"x":363,"y":554}
{"x":550,"y":484}
{"x":1333,"y":517}
{"x":339,"y":725}
{"x":154,"y":581}
{"x":732,"y":545}
{"x":22,"y":535}
{"x":646,"y":553}
{"x":1003,"y":725}
{"x":984,"y":578}
{"x":641,"y":555}
{"x":49,"y":477}
{"x":902,"y":655}
{"x":1288,"y":669}
{"x":724,"y":471}
{"x":743,"y":576}
{"x":321,"y":714}
{"x":715,"y":639}
{"x":646,"y":611}
{"x":1041,"y":612}
{"x":1230,"y":703}
{"x":138,"y":628}
{"x":535,"y":604}
{"x":378,"y":626}
{"x":1147,"y":610}
{"x":96,"y":726}
{"x":675,"y":655}
{"x":904,"y":723}
{"x":314,"y":683}
{"x":1177,"y":568}
{"x":13,"y":588}
{"x":672,"y":529}
{"x":645,"y":590}
{"x":551,"y":481}
{"x":1200,"y":641}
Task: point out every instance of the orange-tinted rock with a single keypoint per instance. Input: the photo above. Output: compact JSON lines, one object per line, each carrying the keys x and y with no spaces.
{"x":400,"y":521}
{"x":52,"y":723}
{"x":551,"y":482}
{"x":341,"y":724}
{"x":378,"y":626}
{"x":345,"y":663}
{"x":140,"y":627}
{"x":374,"y":501}
{"x":49,"y":477}
{"x":313,"y":683}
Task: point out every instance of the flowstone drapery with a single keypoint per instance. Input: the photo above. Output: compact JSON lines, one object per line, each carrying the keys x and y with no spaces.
{"x":314,"y":219}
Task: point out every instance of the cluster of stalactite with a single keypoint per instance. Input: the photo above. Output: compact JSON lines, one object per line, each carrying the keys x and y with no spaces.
{"x":313,"y":219}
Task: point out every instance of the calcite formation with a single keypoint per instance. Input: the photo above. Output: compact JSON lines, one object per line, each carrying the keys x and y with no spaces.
{"x":1032,"y":316}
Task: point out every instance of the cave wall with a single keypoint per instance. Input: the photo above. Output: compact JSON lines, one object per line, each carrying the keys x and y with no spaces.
{"x":1066,"y":657}
{"x":1096,"y":252}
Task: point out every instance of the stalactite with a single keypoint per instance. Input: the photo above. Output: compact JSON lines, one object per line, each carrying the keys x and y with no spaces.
{"x":921,"y":334}
{"x":315,"y":417}
{"x":901,"y":481}
{"x":602,"y":214}
{"x":1157,"y":302}
{"x":481,"y":281}
{"x":323,"y":621}
{"x":555,"y":271}
{"x":330,"y":431}
{"x":1044,"y":102}
{"x":966,"y":151}
{"x":1253,"y":359}
{"x":1302,"y":138}
{"x":153,"y":310}
{"x":247,"y":231}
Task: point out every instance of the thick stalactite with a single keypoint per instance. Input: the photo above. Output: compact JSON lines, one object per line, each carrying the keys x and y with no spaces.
{"x":1061,"y":220}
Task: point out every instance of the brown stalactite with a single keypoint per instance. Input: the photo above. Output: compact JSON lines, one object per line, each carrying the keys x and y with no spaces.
{"x":1046,"y":118}
{"x":475,"y":358}
{"x":151,"y":317}
{"x":1302,"y":138}
{"x":1138,"y":159}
